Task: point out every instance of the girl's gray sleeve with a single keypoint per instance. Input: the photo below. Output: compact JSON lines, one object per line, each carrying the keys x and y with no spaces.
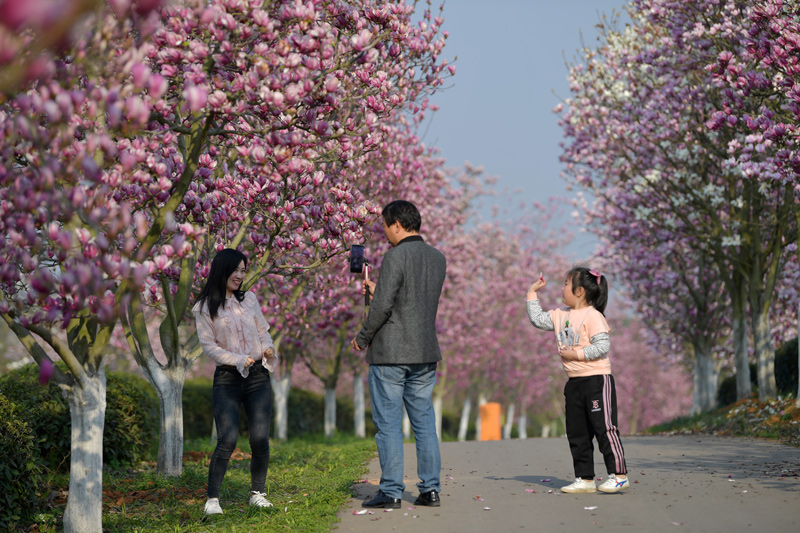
{"x":601,"y":345}
{"x":540,"y":319}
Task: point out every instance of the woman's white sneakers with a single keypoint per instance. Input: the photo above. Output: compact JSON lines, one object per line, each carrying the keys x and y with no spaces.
{"x":257,"y":499}
{"x":212,"y":506}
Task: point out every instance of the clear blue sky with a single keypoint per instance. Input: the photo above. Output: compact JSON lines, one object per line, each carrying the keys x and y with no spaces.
{"x":510,"y":74}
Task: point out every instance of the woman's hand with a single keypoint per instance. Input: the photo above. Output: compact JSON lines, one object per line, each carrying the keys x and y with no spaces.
{"x":538,"y":284}
{"x":269,"y":353}
{"x":249,"y":361}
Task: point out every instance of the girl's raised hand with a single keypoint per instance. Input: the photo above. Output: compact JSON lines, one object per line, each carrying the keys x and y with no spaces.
{"x":538,"y":284}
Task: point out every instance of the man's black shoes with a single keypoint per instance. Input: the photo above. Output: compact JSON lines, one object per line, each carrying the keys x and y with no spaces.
{"x":431,"y":499}
{"x":383,"y":501}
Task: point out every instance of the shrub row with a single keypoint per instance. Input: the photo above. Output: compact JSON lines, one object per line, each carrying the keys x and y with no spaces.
{"x":131,"y":421}
{"x":35,"y":433}
{"x":21,"y":474}
{"x":785,"y":375}
{"x":306,"y":412}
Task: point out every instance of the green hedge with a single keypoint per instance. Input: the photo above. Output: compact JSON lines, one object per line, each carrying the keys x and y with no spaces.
{"x":21,"y":475}
{"x":785,"y":375}
{"x":306,"y":412}
{"x":786,"y":367}
{"x":131,"y":422}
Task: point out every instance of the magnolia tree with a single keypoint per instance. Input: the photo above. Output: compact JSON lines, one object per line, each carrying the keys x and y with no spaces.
{"x":639,"y":141}
{"x":145,"y":148}
{"x":67,"y":245}
{"x":488,"y":347}
{"x":765,"y":70}
{"x":286,"y":101}
{"x":402,"y":167}
{"x":634,"y":362}
{"x":691,"y":320}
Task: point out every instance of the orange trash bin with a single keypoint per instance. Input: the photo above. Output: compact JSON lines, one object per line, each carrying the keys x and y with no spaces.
{"x":490,"y":421}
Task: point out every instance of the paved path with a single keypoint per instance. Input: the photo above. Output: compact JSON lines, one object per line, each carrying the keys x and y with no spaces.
{"x":679,"y":483}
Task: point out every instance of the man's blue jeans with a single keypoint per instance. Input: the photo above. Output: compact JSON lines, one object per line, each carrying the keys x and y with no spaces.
{"x":390,"y":386}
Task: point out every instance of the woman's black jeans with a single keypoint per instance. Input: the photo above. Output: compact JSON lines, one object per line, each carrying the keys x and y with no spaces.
{"x":230,"y":391}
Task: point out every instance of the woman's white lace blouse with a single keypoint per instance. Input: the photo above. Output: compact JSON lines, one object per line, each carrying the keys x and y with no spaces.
{"x":239,"y":331}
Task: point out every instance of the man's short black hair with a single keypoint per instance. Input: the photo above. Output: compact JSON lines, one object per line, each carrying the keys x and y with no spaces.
{"x":405,"y":213}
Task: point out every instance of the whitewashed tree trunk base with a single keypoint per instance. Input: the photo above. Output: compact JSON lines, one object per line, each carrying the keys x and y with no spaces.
{"x":478,"y":430}
{"x":280,"y":394}
{"x":437,"y":409}
{"x":330,"y":412}
{"x":359,"y":422}
{"x":765,"y":356}
{"x":523,"y":426}
{"x":87,"y":407}
{"x":463,"y":425}
{"x":406,"y":424}
{"x":704,"y":397}
{"x":509,"y":421}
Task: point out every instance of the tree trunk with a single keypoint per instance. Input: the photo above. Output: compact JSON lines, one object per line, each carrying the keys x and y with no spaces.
{"x":464,"y":424}
{"x":765,"y":353}
{"x":481,"y":401}
{"x":437,"y":409}
{"x":359,"y":423}
{"x":406,"y":424}
{"x":330,"y":412}
{"x":523,"y":425}
{"x":87,"y":407}
{"x":169,"y":387}
{"x":509,"y":421}
{"x":740,"y":359}
{"x":705,"y":380}
{"x":280,"y":393}
{"x":546,"y":431}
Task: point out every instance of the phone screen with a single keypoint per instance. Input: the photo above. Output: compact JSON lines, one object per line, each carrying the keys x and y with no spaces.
{"x":356,"y":258}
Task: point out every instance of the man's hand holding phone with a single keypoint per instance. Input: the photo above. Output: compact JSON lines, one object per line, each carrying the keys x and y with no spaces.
{"x":371,"y":285}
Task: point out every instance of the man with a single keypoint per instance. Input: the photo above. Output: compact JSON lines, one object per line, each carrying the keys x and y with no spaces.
{"x":400,"y":331}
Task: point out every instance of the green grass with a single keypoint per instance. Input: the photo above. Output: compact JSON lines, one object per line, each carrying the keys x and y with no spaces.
{"x":308,"y":482}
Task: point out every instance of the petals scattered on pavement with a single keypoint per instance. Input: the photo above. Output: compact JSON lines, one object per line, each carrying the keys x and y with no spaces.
{"x":487,"y":508}
{"x":529,"y":490}
{"x":546,"y":480}
{"x":361,"y":511}
{"x":592,"y":508}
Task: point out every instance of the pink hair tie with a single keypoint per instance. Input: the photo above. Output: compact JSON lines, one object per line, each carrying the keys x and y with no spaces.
{"x":596,"y":274}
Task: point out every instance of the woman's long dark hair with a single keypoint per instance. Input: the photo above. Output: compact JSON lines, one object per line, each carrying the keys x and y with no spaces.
{"x":596,"y":290}
{"x":214,"y":293}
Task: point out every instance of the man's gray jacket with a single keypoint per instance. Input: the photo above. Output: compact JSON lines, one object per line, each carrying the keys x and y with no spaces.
{"x":401,"y":324}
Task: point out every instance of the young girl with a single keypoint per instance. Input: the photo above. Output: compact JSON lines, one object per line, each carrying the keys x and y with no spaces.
{"x":234,"y":333}
{"x":591,"y":399}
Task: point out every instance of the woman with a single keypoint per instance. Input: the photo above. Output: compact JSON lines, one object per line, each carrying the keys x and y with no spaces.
{"x":234,"y":333}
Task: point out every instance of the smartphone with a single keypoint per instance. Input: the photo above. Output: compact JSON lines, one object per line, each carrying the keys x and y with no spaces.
{"x":356,"y":258}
